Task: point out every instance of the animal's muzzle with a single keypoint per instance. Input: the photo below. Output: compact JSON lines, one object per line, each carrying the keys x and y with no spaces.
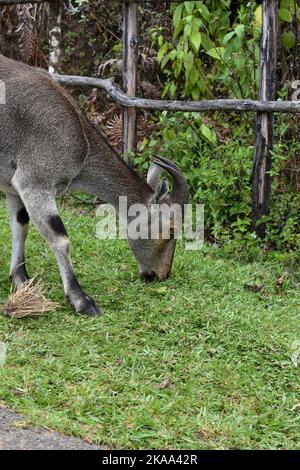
{"x":152,"y":276}
{"x":149,"y":276}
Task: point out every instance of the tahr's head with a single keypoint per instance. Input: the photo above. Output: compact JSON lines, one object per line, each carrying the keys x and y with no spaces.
{"x":160,"y":222}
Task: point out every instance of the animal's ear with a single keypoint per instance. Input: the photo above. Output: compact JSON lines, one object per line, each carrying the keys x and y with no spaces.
{"x":162,"y":190}
{"x":153,"y":176}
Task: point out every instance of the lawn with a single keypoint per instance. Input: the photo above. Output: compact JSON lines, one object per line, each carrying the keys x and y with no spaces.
{"x":195,"y":362}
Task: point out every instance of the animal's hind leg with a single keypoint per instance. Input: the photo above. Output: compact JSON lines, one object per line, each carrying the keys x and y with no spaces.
{"x":42,"y":210}
{"x":19,"y":221}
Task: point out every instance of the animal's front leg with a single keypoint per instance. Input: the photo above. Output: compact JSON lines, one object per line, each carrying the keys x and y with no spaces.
{"x":58,"y":239}
{"x":19,"y":221}
{"x":42,"y":210}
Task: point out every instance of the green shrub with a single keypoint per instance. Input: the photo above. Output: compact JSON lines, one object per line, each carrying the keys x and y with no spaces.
{"x":214,"y":50}
{"x":218,"y":166}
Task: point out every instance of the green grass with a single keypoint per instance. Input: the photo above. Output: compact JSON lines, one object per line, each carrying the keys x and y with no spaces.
{"x":226,"y":351}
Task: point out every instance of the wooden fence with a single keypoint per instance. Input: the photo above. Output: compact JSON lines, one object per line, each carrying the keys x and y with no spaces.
{"x":265,"y":106}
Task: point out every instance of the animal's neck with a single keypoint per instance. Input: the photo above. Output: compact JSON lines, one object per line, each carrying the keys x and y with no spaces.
{"x":107,"y":176}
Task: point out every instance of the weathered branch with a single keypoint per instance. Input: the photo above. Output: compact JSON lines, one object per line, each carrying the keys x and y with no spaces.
{"x":172,"y":105}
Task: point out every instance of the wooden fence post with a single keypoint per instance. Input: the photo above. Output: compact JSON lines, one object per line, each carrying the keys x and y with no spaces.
{"x":261,"y":180}
{"x":130,"y":58}
{"x":55,"y":13}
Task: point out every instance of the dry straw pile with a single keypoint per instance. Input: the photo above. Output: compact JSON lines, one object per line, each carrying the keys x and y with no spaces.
{"x":28,"y":302}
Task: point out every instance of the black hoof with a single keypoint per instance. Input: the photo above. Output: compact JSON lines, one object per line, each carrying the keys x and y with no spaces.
{"x":19,"y":277}
{"x":88,"y":307}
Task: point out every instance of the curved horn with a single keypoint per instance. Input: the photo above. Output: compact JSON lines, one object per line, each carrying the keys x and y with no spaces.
{"x":154,"y":175}
{"x":167,"y":161}
{"x":180,"y":191}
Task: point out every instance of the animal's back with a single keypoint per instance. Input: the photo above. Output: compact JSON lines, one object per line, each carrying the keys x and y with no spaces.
{"x":40,"y":125}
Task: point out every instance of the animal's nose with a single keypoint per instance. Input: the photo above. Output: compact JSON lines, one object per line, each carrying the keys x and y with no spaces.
{"x":165,"y":276}
{"x":148,"y":276}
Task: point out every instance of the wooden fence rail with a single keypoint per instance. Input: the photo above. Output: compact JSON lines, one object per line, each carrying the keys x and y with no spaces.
{"x":172,"y":105}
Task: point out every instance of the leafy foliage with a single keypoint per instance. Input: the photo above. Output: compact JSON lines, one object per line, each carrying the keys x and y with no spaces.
{"x":216,"y":158}
{"x":214,"y":51}
{"x":209,"y":53}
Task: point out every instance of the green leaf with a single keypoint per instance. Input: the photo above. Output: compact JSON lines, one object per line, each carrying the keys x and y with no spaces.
{"x":189,"y":6}
{"x":240,"y":31}
{"x":288,"y":39}
{"x":194,"y":76}
{"x":208,"y":134}
{"x":240,"y":62}
{"x":177,"y":31}
{"x":287,"y":3}
{"x":204,"y":12}
{"x":187,"y":30}
{"x":169,"y":134}
{"x":285,"y":15}
{"x":177,"y":68}
{"x":195,"y":93}
{"x":172,"y":89}
{"x":258,"y":16}
{"x":173,"y":54}
{"x":188,"y":19}
{"x":216,"y":53}
{"x":162,"y":51}
{"x":160,"y":40}
{"x":195,"y":38}
{"x":206,"y":42}
{"x":165,"y":60}
{"x":177,"y":15}
{"x":189,"y":62}
{"x":228,"y":36}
